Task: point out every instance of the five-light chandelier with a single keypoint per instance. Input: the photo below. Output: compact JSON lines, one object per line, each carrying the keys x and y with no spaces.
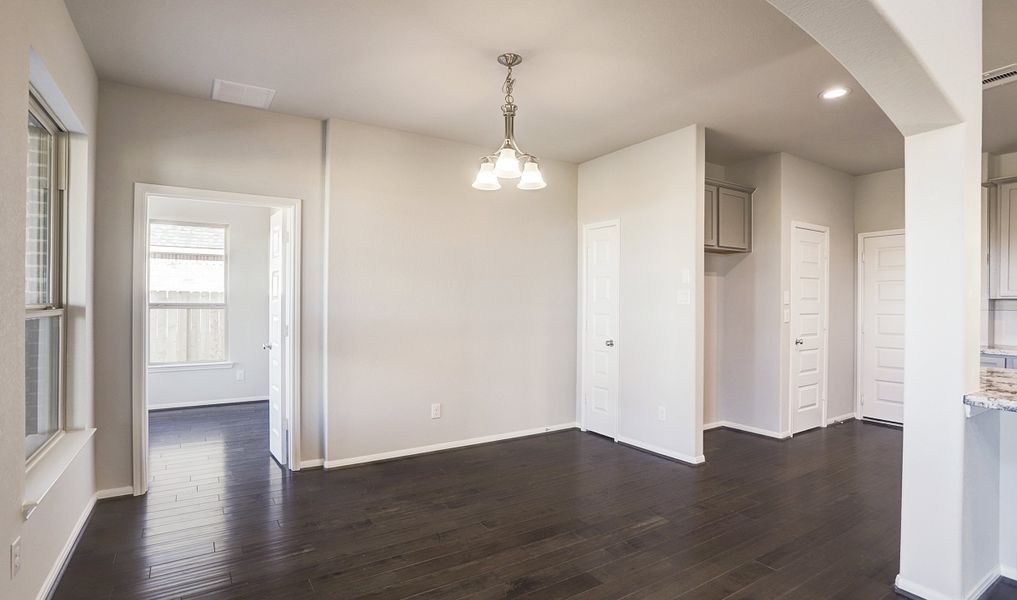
{"x":509,"y":162}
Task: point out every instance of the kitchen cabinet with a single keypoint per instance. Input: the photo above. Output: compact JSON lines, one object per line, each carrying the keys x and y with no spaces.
{"x":728,"y":217}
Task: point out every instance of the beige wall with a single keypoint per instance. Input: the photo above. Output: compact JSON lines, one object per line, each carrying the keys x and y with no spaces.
{"x":439,"y":293}
{"x":747,"y":383}
{"x":879,"y":201}
{"x":655,"y":190}
{"x":45,"y":26}
{"x":159,"y":138}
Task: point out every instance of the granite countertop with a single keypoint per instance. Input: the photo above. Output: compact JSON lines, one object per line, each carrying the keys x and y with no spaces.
{"x":997,"y":391}
{"x":1000,"y":350}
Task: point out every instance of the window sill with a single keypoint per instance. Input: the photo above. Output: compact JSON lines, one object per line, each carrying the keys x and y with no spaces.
{"x":190,"y":367}
{"x":48,"y":467}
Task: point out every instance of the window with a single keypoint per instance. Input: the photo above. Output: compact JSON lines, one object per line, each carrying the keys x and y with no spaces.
{"x":44,"y":306}
{"x":186,"y":293}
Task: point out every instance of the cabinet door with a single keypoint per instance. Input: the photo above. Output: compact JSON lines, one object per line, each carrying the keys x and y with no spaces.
{"x":710,"y":216}
{"x":992,"y":361}
{"x":733,"y":214}
{"x":1006,"y":242}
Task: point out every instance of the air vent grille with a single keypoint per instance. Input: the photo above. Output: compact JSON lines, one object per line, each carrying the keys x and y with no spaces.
{"x":1000,"y":76}
{"x":241,"y":93}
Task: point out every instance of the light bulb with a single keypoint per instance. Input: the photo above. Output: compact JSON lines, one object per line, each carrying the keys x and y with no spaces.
{"x":507,"y":166}
{"x":486,"y":179}
{"x":531,"y":179}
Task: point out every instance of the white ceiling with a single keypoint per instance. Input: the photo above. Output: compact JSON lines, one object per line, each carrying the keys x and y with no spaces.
{"x":597,"y":75}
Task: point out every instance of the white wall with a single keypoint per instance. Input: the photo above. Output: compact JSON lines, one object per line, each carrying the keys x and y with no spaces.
{"x":819,"y":195}
{"x":439,"y":293}
{"x":655,"y":189}
{"x":879,"y":201}
{"x":246,"y":313}
{"x":748,"y":357}
{"x":45,"y":26}
{"x":158,"y":138}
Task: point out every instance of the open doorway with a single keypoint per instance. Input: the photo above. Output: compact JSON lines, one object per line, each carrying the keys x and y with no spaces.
{"x":216,"y":325}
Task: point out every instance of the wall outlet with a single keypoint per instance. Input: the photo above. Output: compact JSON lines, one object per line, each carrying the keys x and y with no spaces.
{"x":240,"y":374}
{"x":661,"y":413}
{"x":15,"y":557}
{"x":436,"y":411}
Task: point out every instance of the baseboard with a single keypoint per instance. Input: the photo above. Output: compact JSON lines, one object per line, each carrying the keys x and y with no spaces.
{"x":845,"y":417}
{"x":314,"y":463}
{"x":1008,"y":572}
{"x":216,"y":402}
{"x":685,"y":458}
{"x":916,"y":591}
{"x":369,"y":458}
{"x":747,"y":429}
{"x":126,"y":490}
{"x":50,"y":583}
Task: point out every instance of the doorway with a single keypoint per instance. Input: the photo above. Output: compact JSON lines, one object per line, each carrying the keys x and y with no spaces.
{"x":881,"y":326}
{"x":599,"y":340}
{"x":810,"y":289}
{"x":216,"y":320}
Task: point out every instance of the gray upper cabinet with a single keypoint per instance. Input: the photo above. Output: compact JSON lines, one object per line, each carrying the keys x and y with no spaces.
{"x":710,"y":216}
{"x":1003,"y":241}
{"x":728,"y":217}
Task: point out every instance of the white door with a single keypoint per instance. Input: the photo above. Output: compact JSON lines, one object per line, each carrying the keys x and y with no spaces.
{"x":882,"y":359}
{"x":600,"y":316}
{"x":277,"y":337}
{"x":809,"y":276}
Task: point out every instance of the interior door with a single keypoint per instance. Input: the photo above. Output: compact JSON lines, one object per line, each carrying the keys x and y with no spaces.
{"x":277,"y":337}
{"x":809,"y":275}
{"x":600,"y":361}
{"x":882,"y":360}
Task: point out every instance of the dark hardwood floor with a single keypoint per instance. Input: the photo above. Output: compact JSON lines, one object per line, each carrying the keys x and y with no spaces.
{"x":564,"y":515}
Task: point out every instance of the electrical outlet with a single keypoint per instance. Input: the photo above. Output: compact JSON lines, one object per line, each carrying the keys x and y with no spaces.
{"x":436,"y":411}
{"x":661,"y":413}
{"x":15,"y":557}
{"x":240,"y":374}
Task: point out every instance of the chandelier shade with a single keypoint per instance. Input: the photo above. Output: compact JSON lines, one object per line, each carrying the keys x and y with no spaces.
{"x":509,"y":162}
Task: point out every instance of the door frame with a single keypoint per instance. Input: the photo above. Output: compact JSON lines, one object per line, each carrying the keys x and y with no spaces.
{"x":860,"y":307}
{"x":139,"y":307}
{"x":825,"y":230}
{"x":581,"y":361}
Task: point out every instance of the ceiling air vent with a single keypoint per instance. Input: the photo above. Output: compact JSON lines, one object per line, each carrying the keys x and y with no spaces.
{"x":241,"y":93}
{"x":1000,"y":76}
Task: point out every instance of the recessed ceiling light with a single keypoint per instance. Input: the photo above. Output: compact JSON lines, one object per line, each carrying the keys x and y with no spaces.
{"x":834,"y":93}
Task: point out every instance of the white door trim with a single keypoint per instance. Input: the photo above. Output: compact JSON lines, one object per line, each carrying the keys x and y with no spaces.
{"x":581,"y":349}
{"x":826,"y":323}
{"x":139,"y":333}
{"x":860,"y":308}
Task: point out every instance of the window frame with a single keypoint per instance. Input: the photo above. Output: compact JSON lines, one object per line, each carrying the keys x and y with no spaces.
{"x":187,"y":305}
{"x":55,"y":308}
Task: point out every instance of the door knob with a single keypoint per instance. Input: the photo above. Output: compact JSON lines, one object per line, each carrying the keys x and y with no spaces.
{"x":266,"y":346}
{"x":609,"y":343}
{"x":799,"y":341}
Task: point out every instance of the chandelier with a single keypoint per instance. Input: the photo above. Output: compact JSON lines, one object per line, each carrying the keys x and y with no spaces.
{"x":509,"y":162}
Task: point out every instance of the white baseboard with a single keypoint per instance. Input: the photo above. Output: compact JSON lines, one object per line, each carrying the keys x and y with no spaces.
{"x":53,"y":577}
{"x":844,"y":417}
{"x":916,"y":590}
{"x":126,"y":490}
{"x":193,"y":403}
{"x":747,"y":429}
{"x":685,"y":458}
{"x":1008,"y":571}
{"x":369,"y":458}
{"x":311,"y":464}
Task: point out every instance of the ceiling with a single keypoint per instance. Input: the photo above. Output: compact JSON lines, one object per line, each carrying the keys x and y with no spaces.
{"x":597,"y":75}
{"x":999,"y":49}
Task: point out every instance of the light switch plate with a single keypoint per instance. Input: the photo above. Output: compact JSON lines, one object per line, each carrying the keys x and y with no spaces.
{"x":15,"y":557}
{"x":436,"y":411}
{"x":787,"y":297}
{"x":684,"y":297}
{"x":686,"y":276}
{"x":787,"y":315}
